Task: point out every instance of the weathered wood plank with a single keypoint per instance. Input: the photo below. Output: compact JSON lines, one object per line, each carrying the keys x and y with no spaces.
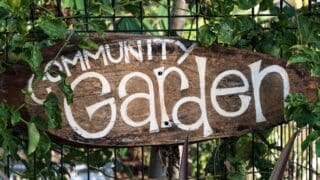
{"x":125,"y":83}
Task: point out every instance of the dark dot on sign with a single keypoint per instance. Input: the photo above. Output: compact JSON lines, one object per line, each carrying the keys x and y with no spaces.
{"x":166,"y":123}
{"x":160,"y":73}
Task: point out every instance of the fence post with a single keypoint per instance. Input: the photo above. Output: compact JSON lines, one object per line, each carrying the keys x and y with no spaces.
{"x":156,"y":167}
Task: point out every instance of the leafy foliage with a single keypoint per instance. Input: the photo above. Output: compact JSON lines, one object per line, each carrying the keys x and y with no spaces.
{"x":32,"y":55}
{"x":236,"y":155}
{"x":14,"y":145}
{"x":247,"y":4}
{"x":51,"y":106}
{"x":52,"y":26}
{"x":66,"y":88}
{"x":25,"y":27}
{"x":305,"y":113}
{"x":206,"y":36}
{"x":292,"y":34}
{"x":33,"y":136}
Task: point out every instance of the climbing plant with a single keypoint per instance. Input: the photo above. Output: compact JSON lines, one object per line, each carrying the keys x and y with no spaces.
{"x":26,"y":26}
{"x":291,"y":34}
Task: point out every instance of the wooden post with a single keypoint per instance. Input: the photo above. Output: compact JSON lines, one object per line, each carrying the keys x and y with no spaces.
{"x":172,"y":166}
{"x":280,"y":167}
{"x":156,"y":167}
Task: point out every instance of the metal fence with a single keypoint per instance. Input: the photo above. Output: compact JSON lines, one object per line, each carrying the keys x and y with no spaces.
{"x":121,"y":163}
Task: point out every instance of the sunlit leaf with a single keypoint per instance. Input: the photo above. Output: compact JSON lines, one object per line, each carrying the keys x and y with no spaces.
{"x":32,"y":55}
{"x":14,"y":3}
{"x":34,"y":137}
{"x":86,"y":43}
{"x":15,"y":118}
{"x":52,"y":26}
{"x":226,"y":31}
{"x":298,"y":59}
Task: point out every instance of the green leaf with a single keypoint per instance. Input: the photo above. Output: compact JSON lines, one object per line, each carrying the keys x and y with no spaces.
{"x":221,"y":7}
{"x":311,"y":137}
{"x":298,"y":59}
{"x":98,"y":25}
{"x":51,"y":106}
{"x":14,"y":3}
{"x":226,"y":31}
{"x":265,"y":5}
{"x":8,"y":144}
{"x":40,"y":123}
{"x":304,"y":117}
{"x":53,"y":27}
{"x":5,"y":6}
{"x":34,"y":137}
{"x":315,"y":71}
{"x":122,"y":151}
{"x":17,"y":25}
{"x":80,"y":6}
{"x":125,"y":24}
{"x":267,"y":45}
{"x":31,"y":54}
{"x":247,"y":4}
{"x":22,"y":26}
{"x":44,"y":144}
{"x":66,"y":88}
{"x":296,"y":100}
{"x":206,"y":36}
{"x":308,"y":30}
{"x":107,"y":9}
{"x":15,"y":118}
{"x":95,"y":9}
{"x":86,"y":43}
{"x":4,"y":116}
{"x":128,"y":171}
{"x":318,"y":148}
{"x":307,"y":51}
{"x":4,"y":112}
{"x":67,"y":4}
{"x":245,"y":24}
{"x":129,"y":6}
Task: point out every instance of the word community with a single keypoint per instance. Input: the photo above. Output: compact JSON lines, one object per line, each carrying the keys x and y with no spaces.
{"x":129,"y":49}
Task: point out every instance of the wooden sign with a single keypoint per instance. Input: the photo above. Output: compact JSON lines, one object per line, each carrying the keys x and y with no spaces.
{"x":139,"y":90}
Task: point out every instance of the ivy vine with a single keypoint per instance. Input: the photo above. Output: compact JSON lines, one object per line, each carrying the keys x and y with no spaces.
{"x":26,"y":26}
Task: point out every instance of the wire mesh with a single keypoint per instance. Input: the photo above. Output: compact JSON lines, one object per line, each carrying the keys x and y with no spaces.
{"x":302,"y":165}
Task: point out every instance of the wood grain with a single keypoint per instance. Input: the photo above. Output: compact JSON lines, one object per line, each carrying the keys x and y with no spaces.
{"x":219,"y":59}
